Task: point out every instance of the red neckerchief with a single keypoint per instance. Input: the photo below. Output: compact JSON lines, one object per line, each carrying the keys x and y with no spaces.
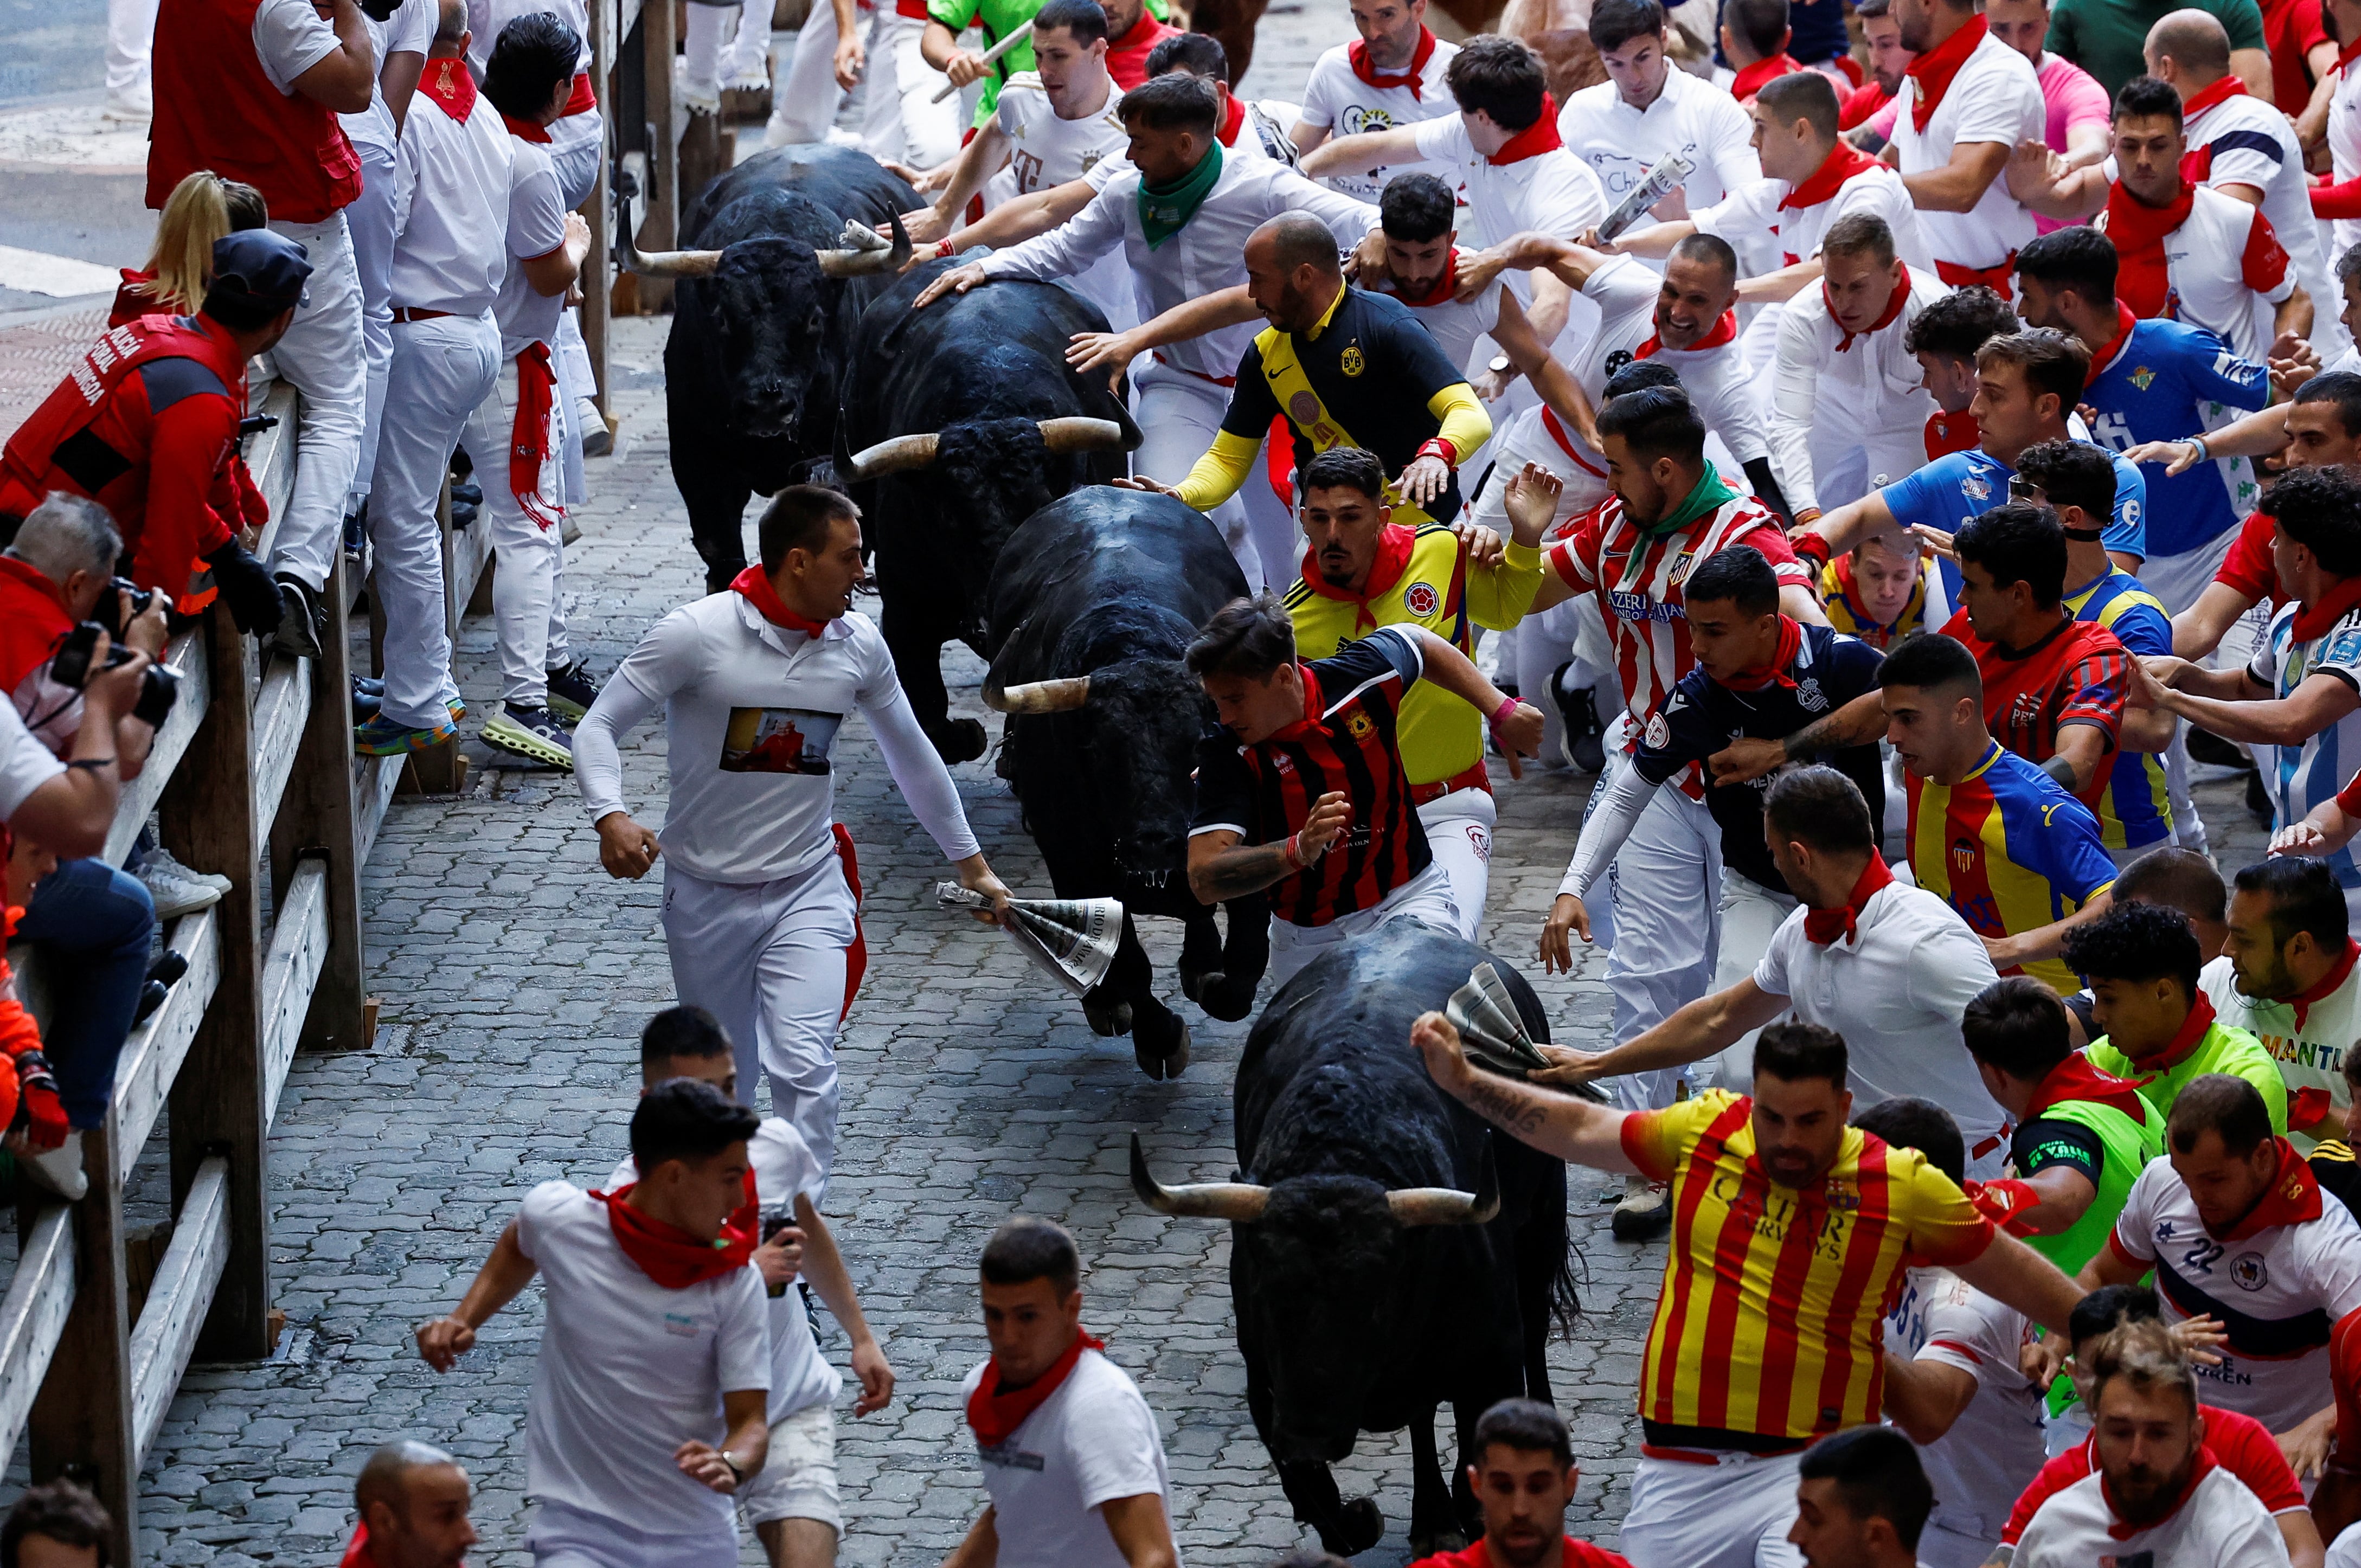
{"x":584,"y":98}
{"x":2345,"y":55}
{"x":524,"y":130}
{"x":2187,"y":1038}
{"x":670,"y":1256}
{"x":2293,"y":1198}
{"x":1394,"y":546}
{"x":2316,"y":620}
{"x":447,"y":82}
{"x":356,"y":1551}
{"x":1761,"y":74}
{"x":1775,"y":672}
{"x":1822,"y":927}
{"x":1357,"y":52}
{"x":1228,"y":134}
{"x":1946,"y":434}
{"x":529,"y":436}
{"x":2198,"y":1470}
{"x":995,"y":1416}
{"x":1893,"y":303}
{"x":1446,"y":285}
{"x":2337,"y":974}
{"x":1725,"y":332}
{"x":2102,"y":358}
{"x":1311,"y":719}
{"x":2143,"y":277}
{"x":1126,"y":58}
{"x":756,"y":586}
{"x":2075,"y":1079}
{"x":1535,"y":139}
{"x":1934,"y":69}
{"x":2227,"y":88}
{"x":1840,"y":165}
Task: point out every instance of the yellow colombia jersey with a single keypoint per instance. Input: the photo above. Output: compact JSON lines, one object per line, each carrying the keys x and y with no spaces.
{"x":1846,"y":604}
{"x":1441,"y":737}
{"x":1769,"y":1327}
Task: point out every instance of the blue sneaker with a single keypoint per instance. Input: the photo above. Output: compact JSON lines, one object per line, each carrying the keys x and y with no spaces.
{"x":532,"y":732}
{"x":381,"y":737}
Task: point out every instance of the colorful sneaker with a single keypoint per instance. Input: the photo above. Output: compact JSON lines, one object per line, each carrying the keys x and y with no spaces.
{"x":571,"y":692}
{"x":458,"y":706}
{"x":381,"y":737}
{"x":532,"y":732}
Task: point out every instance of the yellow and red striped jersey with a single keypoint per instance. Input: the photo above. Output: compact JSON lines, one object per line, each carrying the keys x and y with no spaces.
{"x":1770,"y":1327}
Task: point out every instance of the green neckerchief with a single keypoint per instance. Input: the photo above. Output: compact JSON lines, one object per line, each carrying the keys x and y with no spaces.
{"x":1164,"y":211}
{"x":1711,"y":491}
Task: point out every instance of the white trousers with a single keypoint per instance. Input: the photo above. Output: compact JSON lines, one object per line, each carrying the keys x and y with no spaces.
{"x":1179,"y":415}
{"x":576,"y":144}
{"x":130,"y":33}
{"x":370,"y":221}
{"x":2177,"y":581}
{"x":324,"y":356}
{"x":1734,"y":1514}
{"x":900,"y":121}
{"x":1425,"y":898}
{"x":1537,"y":645}
{"x":529,"y":589}
{"x":768,"y":959}
{"x":714,"y":57}
{"x":562,"y":1536}
{"x":1750,"y":913}
{"x":442,"y":368}
{"x":1847,"y":464}
{"x":1665,"y":887}
{"x":1459,"y":830}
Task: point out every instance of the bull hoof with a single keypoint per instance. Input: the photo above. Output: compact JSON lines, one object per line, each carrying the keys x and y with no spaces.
{"x":1220,"y":996}
{"x":1359,"y":1526}
{"x":962,"y":741}
{"x":1172,"y":1061}
{"x":1425,"y":1545}
{"x":1109,"y":1021}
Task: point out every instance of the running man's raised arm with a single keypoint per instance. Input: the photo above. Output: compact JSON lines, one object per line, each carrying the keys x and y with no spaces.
{"x":1575,"y":1129}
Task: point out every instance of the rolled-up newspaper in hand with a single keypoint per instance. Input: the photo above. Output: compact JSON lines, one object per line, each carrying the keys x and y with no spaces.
{"x":1071,"y":940}
{"x":1669,"y":172}
{"x":1493,"y":1031}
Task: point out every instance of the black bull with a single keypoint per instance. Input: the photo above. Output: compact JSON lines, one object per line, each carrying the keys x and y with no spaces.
{"x":1092,"y":605}
{"x":1363,"y":1301}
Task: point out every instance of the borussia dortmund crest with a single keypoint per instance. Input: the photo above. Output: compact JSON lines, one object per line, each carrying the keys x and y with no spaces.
{"x":1350,"y":361}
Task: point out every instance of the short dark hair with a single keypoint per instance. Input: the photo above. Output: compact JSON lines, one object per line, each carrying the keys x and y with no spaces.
{"x":1906,"y":1122}
{"x":2320,"y":509}
{"x":1026,"y":1247}
{"x":1739,"y":573}
{"x":1878,"y":1476}
{"x":1760,"y":24}
{"x":2304,"y":897}
{"x":1499,"y":77}
{"x":1614,"y":23}
{"x":61,"y":1511}
{"x":2146,"y":98}
{"x":800,"y":518}
{"x":2342,"y":388}
{"x":1345,"y":467}
{"x":1710,"y":248}
{"x":1855,"y":234}
{"x":1640,"y":373}
{"x":1524,"y":1426}
{"x":2018,"y":1025}
{"x":1959,"y":323}
{"x":1802,"y":95}
{"x":1655,"y":421}
{"x":1199,"y":54}
{"x":1085,"y":20}
{"x":2052,"y":361}
{"x":1175,"y":103}
{"x":1250,"y":636}
{"x":2072,"y":474}
{"x":2176,"y":879}
{"x":683,"y":1031}
{"x":2018,"y":543}
{"x":2230,"y":1108}
{"x":2109,"y":1307}
{"x":1793,"y":1052}
{"x":1416,"y":208}
{"x":686,"y":1118}
{"x":1819,"y":806}
{"x":533,"y":56}
{"x":2080,"y":258}
{"x":2136,"y":942}
{"x":1931,"y":661}
{"x":1872,"y":7}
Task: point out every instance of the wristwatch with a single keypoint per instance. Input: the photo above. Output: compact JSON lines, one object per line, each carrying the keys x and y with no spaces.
{"x":736,"y":1474}
{"x":1499,"y":364}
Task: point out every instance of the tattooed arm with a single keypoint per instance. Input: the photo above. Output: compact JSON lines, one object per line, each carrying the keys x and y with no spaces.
{"x":1221,"y":868}
{"x":1574,"y":1130}
{"x":1857,"y":723}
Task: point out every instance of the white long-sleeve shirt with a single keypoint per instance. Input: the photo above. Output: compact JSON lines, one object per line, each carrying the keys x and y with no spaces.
{"x":1873,"y":395}
{"x":1205,"y":257}
{"x":752,"y":717}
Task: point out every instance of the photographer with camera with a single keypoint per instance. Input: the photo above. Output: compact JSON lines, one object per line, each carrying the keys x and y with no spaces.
{"x":77,"y":651}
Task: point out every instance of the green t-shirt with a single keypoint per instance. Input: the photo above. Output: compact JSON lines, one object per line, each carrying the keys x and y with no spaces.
{"x":998,"y":19}
{"x":2106,"y":37}
{"x":2223,"y":1050}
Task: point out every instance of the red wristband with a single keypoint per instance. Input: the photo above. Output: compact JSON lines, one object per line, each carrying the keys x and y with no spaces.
{"x":1812,"y":547}
{"x":1500,"y":714}
{"x":1438,"y":447}
{"x":943,"y":247}
{"x":1293,"y":849}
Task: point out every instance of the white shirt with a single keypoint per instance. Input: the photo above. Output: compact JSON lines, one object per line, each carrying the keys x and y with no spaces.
{"x":1091,"y":1441}
{"x":1341,"y":102}
{"x":1046,"y":151}
{"x":1895,"y":992}
{"x":292,"y":38}
{"x":1751,"y":215}
{"x":2220,"y":1525}
{"x":1205,"y":257}
{"x":628,"y":1371}
{"x":409,"y":30}
{"x":2205,"y":258}
{"x":2245,"y":140}
{"x":1555,"y":192}
{"x":536,"y":228}
{"x":452,"y":187}
{"x":2345,"y":149}
{"x":1996,"y":97}
{"x":1993,"y":1449}
{"x":2311,"y":1054}
{"x":2300,"y":777}
{"x":1456,"y":324}
{"x":25,"y":763}
{"x":752,"y":717}
{"x":1691,"y":116}
{"x":784,"y":1167}
{"x":2282,"y":1289}
{"x":1873,"y":390}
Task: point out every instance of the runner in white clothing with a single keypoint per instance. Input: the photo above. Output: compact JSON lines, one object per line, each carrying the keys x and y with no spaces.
{"x":1392,"y":77}
{"x":761,"y":898}
{"x":401,"y":41}
{"x":1966,"y":101}
{"x":1649,"y":109}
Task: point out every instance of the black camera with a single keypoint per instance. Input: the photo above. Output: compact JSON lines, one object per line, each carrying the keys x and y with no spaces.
{"x":105,"y":611}
{"x":771,"y":1222}
{"x":69,"y":668}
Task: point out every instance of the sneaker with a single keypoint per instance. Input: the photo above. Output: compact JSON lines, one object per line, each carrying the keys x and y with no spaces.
{"x":533,"y":732}
{"x":177,"y":890}
{"x":368,"y":697}
{"x":381,"y":737}
{"x":304,"y":620}
{"x":1584,"y":745}
{"x":597,"y":440}
{"x":1646,"y":1209}
{"x":571,"y":691}
{"x":58,"y":1169}
{"x":357,"y":534}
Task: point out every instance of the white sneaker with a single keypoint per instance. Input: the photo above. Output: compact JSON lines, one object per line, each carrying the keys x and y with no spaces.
{"x":176,"y":889}
{"x":1647,"y":1208}
{"x":597,"y":440}
{"x":58,"y":1170}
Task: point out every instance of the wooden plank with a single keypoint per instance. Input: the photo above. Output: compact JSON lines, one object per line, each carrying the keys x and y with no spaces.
{"x":80,"y":1419}
{"x":185,"y":654}
{"x":596,"y":207}
{"x":279,"y":715}
{"x":319,"y":819}
{"x":373,"y":797}
{"x":33,"y":1314}
{"x":271,"y":459}
{"x":151,"y":1059}
{"x":298,"y":942}
{"x":176,"y":1299}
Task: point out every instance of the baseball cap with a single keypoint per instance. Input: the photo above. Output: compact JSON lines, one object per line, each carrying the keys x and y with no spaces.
{"x":262,"y":266}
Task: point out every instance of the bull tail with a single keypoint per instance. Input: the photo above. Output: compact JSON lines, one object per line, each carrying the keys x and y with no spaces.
{"x":1566,"y":1290}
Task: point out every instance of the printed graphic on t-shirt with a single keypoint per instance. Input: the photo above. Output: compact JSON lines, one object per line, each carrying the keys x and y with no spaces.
{"x":1356,"y":119}
{"x":778,"y":740}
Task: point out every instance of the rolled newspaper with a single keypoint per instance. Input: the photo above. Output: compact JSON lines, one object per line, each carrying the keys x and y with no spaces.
{"x":1071,"y":940}
{"x":994,"y":52}
{"x":1670,"y":171}
{"x":1493,"y":1031}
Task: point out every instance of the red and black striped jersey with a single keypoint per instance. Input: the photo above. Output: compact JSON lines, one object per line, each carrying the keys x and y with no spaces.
{"x":1346,"y":742}
{"x":2076,"y":675}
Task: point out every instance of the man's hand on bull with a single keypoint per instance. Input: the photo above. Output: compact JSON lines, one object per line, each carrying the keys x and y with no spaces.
{"x":626,"y":848}
{"x":1436,"y":1038}
{"x":851,"y":60}
{"x":1113,"y":351}
{"x":975,"y":875}
{"x":1567,"y":915}
{"x":1142,"y":482}
{"x":958,"y":280}
{"x":1425,"y":478}
{"x":926,"y":226}
{"x":1569,"y":1068}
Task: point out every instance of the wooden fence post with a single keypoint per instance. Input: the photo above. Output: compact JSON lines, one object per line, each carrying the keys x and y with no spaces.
{"x":317,"y":817}
{"x":80,"y":1427}
{"x":660,"y":228}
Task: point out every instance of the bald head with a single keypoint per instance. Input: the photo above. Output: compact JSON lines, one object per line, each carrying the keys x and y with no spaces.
{"x":2190,"y":50}
{"x":414,"y":1500}
{"x":450,"y":26}
{"x":1298,"y":239}
{"x":385,"y":1477}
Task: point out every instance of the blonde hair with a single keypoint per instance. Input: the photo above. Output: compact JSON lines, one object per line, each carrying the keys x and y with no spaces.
{"x":200,"y":210}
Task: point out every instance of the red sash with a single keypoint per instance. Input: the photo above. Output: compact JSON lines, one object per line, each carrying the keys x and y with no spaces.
{"x":755,"y":584}
{"x":1823,"y":927}
{"x":529,"y":436}
{"x":1535,"y":139}
{"x":2143,"y":277}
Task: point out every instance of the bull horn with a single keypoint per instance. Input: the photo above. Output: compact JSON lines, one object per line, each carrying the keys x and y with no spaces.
{"x":896,"y":456}
{"x":1238,"y":1202}
{"x":1069,"y":434}
{"x":657,"y":263}
{"x":1061,"y":695}
{"x":866,"y":252}
{"x":1448,"y":1205}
